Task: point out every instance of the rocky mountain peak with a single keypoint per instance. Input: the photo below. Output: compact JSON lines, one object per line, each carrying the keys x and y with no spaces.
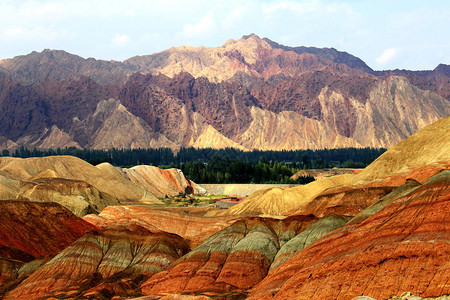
{"x":247,"y":44}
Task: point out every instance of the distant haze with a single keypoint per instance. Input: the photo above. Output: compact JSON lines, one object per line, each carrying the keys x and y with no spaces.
{"x":386,"y":34}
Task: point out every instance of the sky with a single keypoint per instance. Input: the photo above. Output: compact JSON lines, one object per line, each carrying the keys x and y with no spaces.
{"x":386,"y":34}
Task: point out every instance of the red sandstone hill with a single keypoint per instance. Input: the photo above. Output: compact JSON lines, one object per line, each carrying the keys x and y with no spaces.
{"x":103,"y":264}
{"x":250,"y":93}
{"x":403,"y":247}
{"x":30,"y":234}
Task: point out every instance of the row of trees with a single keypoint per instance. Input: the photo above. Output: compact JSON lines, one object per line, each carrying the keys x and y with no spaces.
{"x":224,"y":165}
{"x":224,"y":170}
{"x":304,"y":159}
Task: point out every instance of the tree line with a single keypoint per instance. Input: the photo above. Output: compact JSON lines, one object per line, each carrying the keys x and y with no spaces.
{"x":227,"y":165}
{"x":224,"y":170}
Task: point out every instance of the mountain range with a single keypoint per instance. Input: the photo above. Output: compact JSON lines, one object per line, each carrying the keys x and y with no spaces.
{"x":249,"y":93}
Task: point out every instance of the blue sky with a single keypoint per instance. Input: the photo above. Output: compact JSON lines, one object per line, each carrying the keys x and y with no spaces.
{"x":386,"y":34}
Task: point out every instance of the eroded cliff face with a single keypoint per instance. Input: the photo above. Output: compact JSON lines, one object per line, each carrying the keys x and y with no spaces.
{"x":194,"y":229}
{"x":394,"y":111}
{"x":162,"y":183}
{"x":112,"y":125}
{"x":86,"y":189}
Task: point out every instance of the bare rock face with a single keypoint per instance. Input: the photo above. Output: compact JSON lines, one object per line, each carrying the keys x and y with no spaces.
{"x":348,"y":201}
{"x":103,"y":264}
{"x":290,"y":130}
{"x":250,"y":55}
{"x":53,"y":138}
{"x":73,"y":168}
{"x":418,"y":157}
{"x":307,"y":237}
{"x":57,"y":65}
{"x":112,"y":125}
{"x":9,"y":186}
{"x":39,"y":229}
{"x":160,"y":183}
{"x":230,"y":261}
{"x":78,"y":196}
{"x":250,"y":93}
{"x":277,"y":201}
{"x":194,"y":229}
{"x":375,"y":257}
{"x":30,"y":234}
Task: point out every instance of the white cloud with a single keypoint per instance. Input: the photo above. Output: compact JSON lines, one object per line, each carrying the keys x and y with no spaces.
{"x":121,"y":40}
{"x":205,"y":26}
{"x":387,"y":55}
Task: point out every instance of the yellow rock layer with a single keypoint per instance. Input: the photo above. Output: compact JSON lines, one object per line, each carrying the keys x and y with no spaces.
{"x":277,"y":201}
{"x":429,"y":146}
{"x":69,"y":167}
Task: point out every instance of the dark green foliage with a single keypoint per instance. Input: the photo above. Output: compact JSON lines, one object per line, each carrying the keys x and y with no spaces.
{"x":225,"y":165}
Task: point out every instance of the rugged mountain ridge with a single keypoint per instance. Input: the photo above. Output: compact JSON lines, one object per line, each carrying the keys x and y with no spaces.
{"x":250,"y":93}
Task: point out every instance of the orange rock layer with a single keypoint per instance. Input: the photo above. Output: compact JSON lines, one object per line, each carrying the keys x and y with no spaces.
{"x":403,"y":247}
{"x":30,"y":234}
{"x":230,"y":261}
{"x":103,"y":264}
{"x":347,"y":201}
{"x":39,"y":229}
{"x":195,"y":229}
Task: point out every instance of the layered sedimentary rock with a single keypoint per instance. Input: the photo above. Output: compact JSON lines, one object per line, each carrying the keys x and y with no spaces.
{"x":232,"y":260}
{"x":103,"y":264}
{"x":307,"y":237}
{"x":86,"y":189}
{"x":411,"y":233}
{"x":379,"y":236}
{"x":72,"y":168}
{"x":277,"y":201}
{"x":161,"y":183}
{"x":417,"y":157}
{"x":194,"y":229}
{"x":348,"y":201}
{"x":78,"y":196}
{"x":30,"y":234}
{"x":9,"y":187}
{"x":39,"y":229}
